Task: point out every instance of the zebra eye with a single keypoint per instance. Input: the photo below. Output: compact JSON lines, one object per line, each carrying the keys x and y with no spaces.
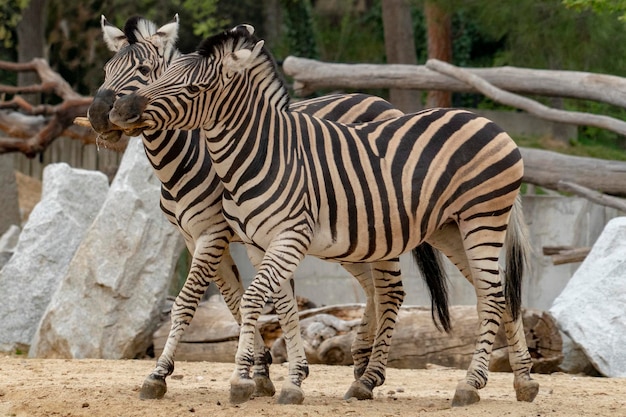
{"x":193,"y":89}
{"x":144,"y":69}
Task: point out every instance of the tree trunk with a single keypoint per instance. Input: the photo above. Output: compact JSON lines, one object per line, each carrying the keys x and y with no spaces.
{"x":31,"y":42}
{"x":439,"y":38}
{"x":400,"y":49}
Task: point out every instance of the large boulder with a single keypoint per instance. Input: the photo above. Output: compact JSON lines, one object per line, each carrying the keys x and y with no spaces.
{"x":45,"y":247}
{"x":591,"y":308}
{"x":108,"y":304}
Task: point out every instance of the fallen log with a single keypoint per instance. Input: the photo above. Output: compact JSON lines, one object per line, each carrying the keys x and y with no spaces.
{"x":310,"y":75}
{"x":328,"y":333}
{"x":566,"y":254}
{"x":548,"y":169}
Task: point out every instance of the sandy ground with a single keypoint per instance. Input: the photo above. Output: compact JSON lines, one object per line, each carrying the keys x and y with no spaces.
{"x":35,"y":387}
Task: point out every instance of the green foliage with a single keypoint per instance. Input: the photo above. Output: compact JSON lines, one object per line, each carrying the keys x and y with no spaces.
{"x":300,"y":31}
{"x":599,"y":6}
{"x":10,"y":16}
{"x":205,"y":21}
{"x":547,"y":34}
{"x":341,"y":29}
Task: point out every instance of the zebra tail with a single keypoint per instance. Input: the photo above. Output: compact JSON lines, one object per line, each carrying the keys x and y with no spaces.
{"x":429,"y":264}
{"x":518,"y":250}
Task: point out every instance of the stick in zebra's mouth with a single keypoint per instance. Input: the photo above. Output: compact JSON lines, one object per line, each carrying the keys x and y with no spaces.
{"x":115,"y":134}
{"x":84,"y":121}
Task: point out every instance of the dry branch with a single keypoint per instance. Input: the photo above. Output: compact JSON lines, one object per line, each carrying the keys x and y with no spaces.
{"x":27,"y":131}
{"x":51,"y":81}
{"x":569,"y":256}
{"x":596,"y":197}
{"x":524,"y":103}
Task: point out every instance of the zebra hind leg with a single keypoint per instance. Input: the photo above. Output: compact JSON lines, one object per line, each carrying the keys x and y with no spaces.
{"x":448,"y":241}
{"x":389,"y":295}
{"x":183,"y":310}
{"x":364,"y":339}
{"x":518,"y":249}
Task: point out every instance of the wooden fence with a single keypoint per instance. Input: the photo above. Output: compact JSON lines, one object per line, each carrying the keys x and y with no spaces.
{"x":75,"y":153}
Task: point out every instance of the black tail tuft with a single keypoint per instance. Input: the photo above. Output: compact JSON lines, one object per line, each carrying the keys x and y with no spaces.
{"x":518,"y":250}
{"x":429,"y":264}
{"x":513,"y":280}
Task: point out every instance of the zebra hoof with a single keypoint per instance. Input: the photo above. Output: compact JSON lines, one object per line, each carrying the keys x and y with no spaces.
{"x":241,"y":391}
{"x":360,"y":391}
{"x":359,"y":371}
{"x":291,"y":394}
{"x":153,"y":388}
{"x":526,"y":390}
{"x":264,"y":386}
{"x":465,"y":395}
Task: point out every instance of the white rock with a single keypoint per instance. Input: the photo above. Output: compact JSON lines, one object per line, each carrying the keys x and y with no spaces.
{"x":8,"y":242}
{"x":591,"y":310}
{"x":69,"y":202}
{"x":108,"y":304}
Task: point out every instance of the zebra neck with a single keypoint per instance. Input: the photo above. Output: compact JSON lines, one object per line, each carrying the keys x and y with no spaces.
{"x":174,"y":155}
{"x":252,"y":146}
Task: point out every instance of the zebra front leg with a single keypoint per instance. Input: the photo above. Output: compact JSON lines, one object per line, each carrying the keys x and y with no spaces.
{"x":272,"y":281}
{"x":262,"y":356}
{"x":200,"y":275}
{"x":389,"y":295}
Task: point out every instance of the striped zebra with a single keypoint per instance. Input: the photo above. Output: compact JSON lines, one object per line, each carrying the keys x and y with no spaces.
{"x":191,"y":195}
{"x":297,"y":184}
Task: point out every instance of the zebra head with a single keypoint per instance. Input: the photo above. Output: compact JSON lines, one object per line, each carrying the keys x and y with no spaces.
{"x":142,"y":53}
{"x":198,"y":88}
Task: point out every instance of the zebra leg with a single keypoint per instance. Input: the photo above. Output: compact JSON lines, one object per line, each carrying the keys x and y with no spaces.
{"x":264,"y":387}
{"x":364,"y":339}
{"x":272,"y":281}
{"x":526,"y":388}
{"x":201,"y":273}
{"x":448,"y":241}
{"x":389,"y":295}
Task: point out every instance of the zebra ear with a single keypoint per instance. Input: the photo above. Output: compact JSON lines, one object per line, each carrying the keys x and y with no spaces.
{"x":239,"y":60}
{"x":165,"y":37}
{"x":113,"y":37}
{"x":246,"y":27}
{"x":168,"y":33}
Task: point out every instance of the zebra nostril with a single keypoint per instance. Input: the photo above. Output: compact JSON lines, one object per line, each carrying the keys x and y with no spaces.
{"x":98,"y":112}
{"x":127,"y":110}
{"x":122,"y":120}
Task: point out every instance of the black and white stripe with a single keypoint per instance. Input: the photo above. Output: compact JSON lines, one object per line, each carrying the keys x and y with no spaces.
{"x":191,"y":194}
{"x":296,"y":184}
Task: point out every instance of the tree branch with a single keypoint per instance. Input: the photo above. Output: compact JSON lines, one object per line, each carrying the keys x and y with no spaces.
{"x":595,"y":196}
{"x":31,"y":128}
{"x":524,"y":103}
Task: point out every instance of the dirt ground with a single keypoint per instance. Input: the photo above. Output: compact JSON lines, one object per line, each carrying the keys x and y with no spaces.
{"x":49,"y":387}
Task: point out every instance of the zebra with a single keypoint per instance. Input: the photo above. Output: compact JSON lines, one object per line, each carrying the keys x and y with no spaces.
{"x":296,"y":184}
{"x":191,"y":193}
